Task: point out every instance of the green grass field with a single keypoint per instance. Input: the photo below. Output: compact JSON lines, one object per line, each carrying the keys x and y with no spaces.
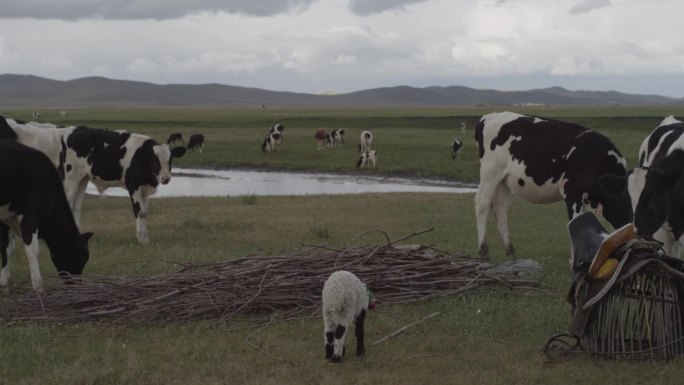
{"x":489,"y":337}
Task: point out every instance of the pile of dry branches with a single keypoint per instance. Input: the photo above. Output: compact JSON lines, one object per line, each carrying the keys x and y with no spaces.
{"x":276,"y":287}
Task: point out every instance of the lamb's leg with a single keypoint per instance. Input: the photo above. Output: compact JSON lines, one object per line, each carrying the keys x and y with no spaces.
{"x":360,"y":346}
{"x":338,"y":351}
{"x":329,"y":336}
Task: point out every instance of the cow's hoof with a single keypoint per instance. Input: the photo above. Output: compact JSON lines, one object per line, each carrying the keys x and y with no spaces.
{"x":143,"y":240}
{"x":510,"y":251}
{"x":483,"y":251}
{"x":336,"y":359}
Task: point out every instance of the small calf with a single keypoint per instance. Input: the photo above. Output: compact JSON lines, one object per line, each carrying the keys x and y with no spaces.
{"x":321,"y":138}
{"x":196,"y":143}
{"x":456,"y":145}
{"x":271,"y":142}
{"x":175,"y":138}
{"x":336,"y":138}
{"x":366,"y":158}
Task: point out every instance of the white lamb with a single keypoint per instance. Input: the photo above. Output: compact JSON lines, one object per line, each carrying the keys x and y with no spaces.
{"x":345,"y":301}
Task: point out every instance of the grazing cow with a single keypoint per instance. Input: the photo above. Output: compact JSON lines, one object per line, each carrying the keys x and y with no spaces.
{"x":542,"y":161}
{"x":196,"y":143}
{"x":336,"y":138}
{"x":33,"y":205}
{"x":35,"y":116}
{"x":657,"y":186}
{"x":271,"y":142}
{"x":175,"y":138}
{"x":321,"y":138}
{"x":456,"y":145}
{"x":367,"y":158}
{"x":366,"y":140}
{"x":277,"y":128}
{"x":105,"y":158}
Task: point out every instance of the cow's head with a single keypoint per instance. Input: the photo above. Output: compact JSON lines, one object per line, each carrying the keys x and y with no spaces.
{"x":652,"y":190}
{"x":71,"y":258}
{"x":161,"y":163}
{"x":615,"y":202}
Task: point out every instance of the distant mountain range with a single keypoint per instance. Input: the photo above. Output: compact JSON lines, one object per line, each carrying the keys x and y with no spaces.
{"x":32,"y":92}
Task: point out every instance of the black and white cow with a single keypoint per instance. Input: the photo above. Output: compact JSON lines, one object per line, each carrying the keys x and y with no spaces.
{"x":542,"y":161}
{"x":33,"y":205}
{"x":657,"y":186}
{"x":336,"y":138}
{"x":196,"y":142}
{"x":456,"y":145}
{"x":107,"y":159}
{"x":271,"y":142}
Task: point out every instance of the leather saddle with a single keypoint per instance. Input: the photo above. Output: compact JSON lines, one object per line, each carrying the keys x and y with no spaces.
{"x":592,"y":245}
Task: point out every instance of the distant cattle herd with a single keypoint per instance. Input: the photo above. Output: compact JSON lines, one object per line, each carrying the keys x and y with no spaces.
{"x":44,"y":170}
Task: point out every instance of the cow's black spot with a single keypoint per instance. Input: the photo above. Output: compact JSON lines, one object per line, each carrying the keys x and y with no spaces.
{"x":136,"y":207}
{"x":103,"y":149}
{"x":673,"y":132}
{"x":144,"y":167}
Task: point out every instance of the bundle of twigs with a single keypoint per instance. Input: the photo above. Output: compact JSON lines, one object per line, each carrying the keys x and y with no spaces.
{"x":269,"y":287}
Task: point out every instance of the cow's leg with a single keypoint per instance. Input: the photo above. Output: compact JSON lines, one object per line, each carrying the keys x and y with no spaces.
{"x":75,"y":191}
{"x":483,"y":201}
{"x":502,"y":199}
{"x":32,"y":256}
{"x":78,"y":201}
{"x":139,"y":202}
{"x":6,"y":251}
{"x":29,"y":235}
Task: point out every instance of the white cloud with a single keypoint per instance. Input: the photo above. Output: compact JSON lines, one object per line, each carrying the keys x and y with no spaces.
{"x":344,"y":60}
{"x":588,"y":6}
{"x":345,"y":45}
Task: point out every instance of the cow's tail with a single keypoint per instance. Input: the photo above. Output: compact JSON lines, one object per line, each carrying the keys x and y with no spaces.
{"x":479,"y":137}
{"x":6,"y":132}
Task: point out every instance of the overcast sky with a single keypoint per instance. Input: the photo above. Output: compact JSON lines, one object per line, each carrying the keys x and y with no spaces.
{"x":317,"y":46}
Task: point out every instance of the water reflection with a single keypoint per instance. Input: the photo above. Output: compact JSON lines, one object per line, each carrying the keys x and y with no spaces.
{"x":200,"y":182}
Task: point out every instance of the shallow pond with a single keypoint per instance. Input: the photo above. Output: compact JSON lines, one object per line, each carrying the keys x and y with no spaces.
{"x":201,"y":182}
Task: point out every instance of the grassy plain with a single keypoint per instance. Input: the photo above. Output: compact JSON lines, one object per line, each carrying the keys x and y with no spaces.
{"x":489,"y":337}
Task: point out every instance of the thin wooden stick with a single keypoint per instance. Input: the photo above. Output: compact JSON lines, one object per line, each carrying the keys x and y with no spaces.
{"x":398,"y":331}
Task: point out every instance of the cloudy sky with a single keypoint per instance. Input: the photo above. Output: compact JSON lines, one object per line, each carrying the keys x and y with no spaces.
{"x":318,"y":46}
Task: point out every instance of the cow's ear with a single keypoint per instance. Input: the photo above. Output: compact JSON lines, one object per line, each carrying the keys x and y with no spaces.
{"x":86,"y":236}
{"x":613,"y":184}
{"x":177,"y":152}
